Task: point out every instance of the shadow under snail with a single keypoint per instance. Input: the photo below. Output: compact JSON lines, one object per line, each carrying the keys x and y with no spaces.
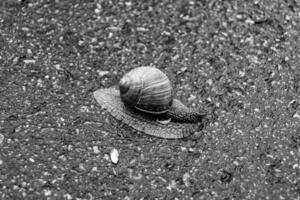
{"x":144,"y":100}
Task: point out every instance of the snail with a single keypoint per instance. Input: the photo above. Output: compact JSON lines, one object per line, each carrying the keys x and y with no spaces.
{"x":144,"y":100}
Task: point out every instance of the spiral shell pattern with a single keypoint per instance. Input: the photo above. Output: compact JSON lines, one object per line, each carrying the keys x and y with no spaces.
{"x":146,"y":89}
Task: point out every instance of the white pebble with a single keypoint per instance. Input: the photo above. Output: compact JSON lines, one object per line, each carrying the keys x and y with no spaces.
{"x":183,"y":69}
{"x":192,"y":98}
{"x":186,"y":179}
{"x":29,"y":61}
{"x":128,"y":3}
{"x":102,"y":73}
{"x":296,"y":166}
{"x":296,"y":115}
{"x":142,"y":29}
{"x":39,"y":82}
{"x":209,"y":82}
{"x":29,"y":52}
{"x":80,"y":42}
{"x":97,"y":11}
{"x":114,"y":156}
{"x":15,"y":60}
{"x":57,"y":66}
{"x":68,"y":196}
{"x":81,"y":166}
{"x":47,"y":192}
{"x":96,"y":149}
{"x":25,"y":29}
{"x":106,"y":157}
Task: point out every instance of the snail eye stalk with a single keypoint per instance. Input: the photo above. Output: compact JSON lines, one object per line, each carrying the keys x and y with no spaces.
{"x":124,"y":85}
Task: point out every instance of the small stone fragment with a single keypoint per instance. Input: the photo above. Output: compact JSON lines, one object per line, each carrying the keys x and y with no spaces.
{"x":183,"y":69}
{"x":15,"y":60}
{"x":57,"y":66}
{"x":106,"y":157}
{"x":29,"y":61}
{"x":142,"y":29}
{"x":192,"y":97}
{"x":96,"y":149}
{"x":186,"y":179}
{"x":102,"y":73}
{"x":114,"y":156}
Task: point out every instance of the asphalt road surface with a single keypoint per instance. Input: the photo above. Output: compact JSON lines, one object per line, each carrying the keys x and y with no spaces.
{"x":239,"y":58}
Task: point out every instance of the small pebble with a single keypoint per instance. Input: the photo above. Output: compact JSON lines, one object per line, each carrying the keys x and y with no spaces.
{"x":57,"y":66}
{"x":296,"y":166}
{"x":296,"y":115}
{"x":29,"y":52}
{"x":96,"y":149}
{"x":114,"y":156}
{"x":102,"y":73}
{"x":97,"y":10}
{"x":192,"y":98}
{"x":47,"y":192}
{"x":209,"y":82}
{"x":183,"y":69}
{"x":81,"y":167}
{"x":94,"y":169}
{"x":68,"y":196}
{"x":29,"y":61}
{"x":106,"y":157}
{"x":128,"y":4}
{"x":15,"y":60}
{"x":25,"y":29}
{"x":186,"y":180}
{"x":142,"y":29}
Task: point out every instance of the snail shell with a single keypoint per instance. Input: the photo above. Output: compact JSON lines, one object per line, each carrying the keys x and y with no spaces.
{"x":146,"y":89}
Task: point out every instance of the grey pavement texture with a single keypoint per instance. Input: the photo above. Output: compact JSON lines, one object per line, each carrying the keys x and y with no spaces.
{"x":240,"y":58}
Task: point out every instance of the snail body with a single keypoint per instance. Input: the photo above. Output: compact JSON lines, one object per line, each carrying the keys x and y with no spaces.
{"x":144,"y":101}
{"x":149,"y":90}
